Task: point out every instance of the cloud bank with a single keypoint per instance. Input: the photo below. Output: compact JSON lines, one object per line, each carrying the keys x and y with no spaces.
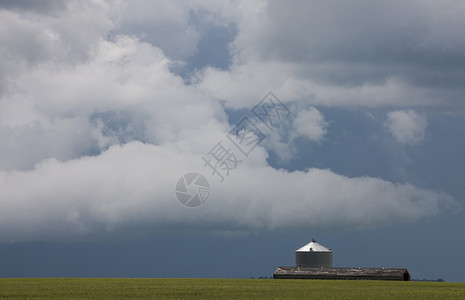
{"x":96,"y":127}
{"x":357,"y":54}
{"x":133,"y":185}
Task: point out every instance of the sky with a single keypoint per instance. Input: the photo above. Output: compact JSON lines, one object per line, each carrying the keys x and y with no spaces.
{"x":335,"y":120}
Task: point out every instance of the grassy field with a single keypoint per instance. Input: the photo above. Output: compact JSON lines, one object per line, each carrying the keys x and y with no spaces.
{"x":114,"y":288}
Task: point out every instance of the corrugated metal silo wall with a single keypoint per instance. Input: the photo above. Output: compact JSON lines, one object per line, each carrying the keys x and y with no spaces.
{"x":314,"y":259}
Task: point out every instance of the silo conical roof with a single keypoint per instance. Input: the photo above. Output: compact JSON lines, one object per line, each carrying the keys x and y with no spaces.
{"x":313,"y":246}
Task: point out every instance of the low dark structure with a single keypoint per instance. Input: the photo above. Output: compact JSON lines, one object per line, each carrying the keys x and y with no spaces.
{"x":342,"y":273}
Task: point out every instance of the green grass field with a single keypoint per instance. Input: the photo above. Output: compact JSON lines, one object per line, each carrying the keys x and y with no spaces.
{"x":114,"y":288}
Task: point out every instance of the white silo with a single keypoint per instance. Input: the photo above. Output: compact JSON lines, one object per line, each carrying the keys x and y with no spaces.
{"x":314,"y":255}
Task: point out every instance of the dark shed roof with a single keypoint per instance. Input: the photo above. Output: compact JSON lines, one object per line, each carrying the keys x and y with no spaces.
{"x":342,"y":273}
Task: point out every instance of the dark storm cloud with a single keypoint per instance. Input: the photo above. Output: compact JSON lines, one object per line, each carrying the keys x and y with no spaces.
{"x":347,"y":42}
{"x":415,"y":32}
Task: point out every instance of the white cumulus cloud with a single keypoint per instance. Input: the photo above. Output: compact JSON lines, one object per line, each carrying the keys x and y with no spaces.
{"x":310,"y":123}
{"x":407,"y":126}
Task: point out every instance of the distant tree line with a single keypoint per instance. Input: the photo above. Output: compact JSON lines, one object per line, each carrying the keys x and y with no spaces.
{"x":432,"y":280}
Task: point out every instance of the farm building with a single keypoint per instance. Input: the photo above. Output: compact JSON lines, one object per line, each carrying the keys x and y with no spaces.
{"x":342,"y":273}
{"x":314,"y":255}
{"x":315,"y":261}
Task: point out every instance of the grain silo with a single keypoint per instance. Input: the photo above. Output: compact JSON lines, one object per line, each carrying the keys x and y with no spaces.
{"x":314,"y":255}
